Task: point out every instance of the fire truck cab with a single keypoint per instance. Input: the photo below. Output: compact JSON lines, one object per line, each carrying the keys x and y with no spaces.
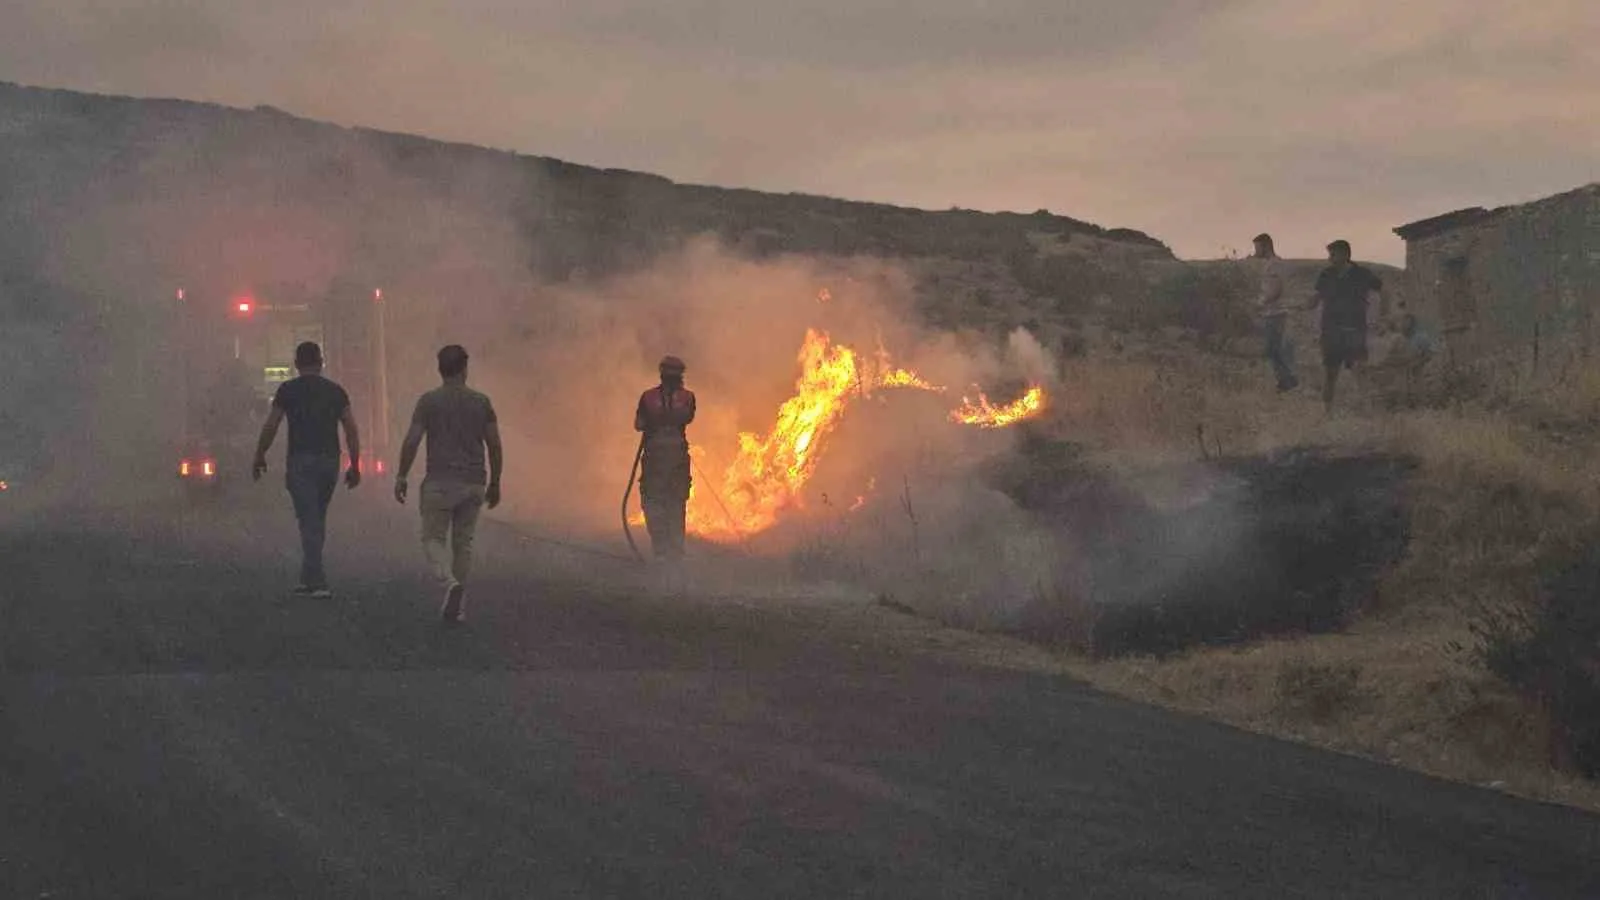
{"x":239,"y":358}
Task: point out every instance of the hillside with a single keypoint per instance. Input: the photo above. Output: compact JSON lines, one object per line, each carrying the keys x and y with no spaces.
{"x":103,"y":195}
{"x":65,"y":156}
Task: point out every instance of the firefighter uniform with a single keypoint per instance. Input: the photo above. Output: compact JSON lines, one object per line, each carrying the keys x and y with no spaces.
{"x":662,"y":417}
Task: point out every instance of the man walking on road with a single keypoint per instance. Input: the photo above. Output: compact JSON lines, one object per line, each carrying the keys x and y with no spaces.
{"x":315,"y":408}
{"x":1343,"y":290}
{"x":661,"y":418}
{"x":1274,"y":315}
{"x":459,"y":424}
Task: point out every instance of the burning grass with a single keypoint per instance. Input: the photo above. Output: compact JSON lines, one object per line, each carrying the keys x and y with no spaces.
{"x":985,"y":414}
{"x":768,"y":475}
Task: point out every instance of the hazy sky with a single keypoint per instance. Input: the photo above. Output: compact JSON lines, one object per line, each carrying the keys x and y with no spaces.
{"x":1199,"y":121}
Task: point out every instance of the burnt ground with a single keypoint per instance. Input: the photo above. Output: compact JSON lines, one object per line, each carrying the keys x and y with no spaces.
{"x":1253,"y":546}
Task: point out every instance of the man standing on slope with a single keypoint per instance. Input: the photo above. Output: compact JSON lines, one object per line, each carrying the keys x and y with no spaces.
{"x":460,"y":424}
{"x":1343,"y":290}
{"x":1274,"y":315}
{"x":661,"y":418}
{"x":315,"y":408}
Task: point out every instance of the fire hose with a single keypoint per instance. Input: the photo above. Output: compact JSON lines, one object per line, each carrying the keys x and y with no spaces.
{"x":633,"y":476}
{"x":723,"y":506}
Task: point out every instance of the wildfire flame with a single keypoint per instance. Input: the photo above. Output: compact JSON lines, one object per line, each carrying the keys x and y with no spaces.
{"x":769,"y":472}
{"x":906,"y":378}
{"x":766,"y":476}
{"x":986,"y":415}
{"x":872,"y":485}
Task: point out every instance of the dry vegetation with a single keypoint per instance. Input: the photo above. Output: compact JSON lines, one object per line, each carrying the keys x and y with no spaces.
{"x":1501,"y":502}
{"x":1443,"y":669}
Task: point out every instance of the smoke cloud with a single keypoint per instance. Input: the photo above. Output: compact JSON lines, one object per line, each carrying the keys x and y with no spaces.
{"x":109,"y":217}
{"x":568,"y":373}
{"x":468,"y":247}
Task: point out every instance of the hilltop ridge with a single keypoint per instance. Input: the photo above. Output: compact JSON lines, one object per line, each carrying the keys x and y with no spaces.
{"x":574,"y":217}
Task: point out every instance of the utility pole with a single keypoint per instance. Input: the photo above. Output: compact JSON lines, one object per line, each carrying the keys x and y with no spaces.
{"x":381,"y":382}
{"x":186,"y":351}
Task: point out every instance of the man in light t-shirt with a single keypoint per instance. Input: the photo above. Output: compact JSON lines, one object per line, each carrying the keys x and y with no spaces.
{"x":1274,"y":314}
{"x":460,"y":427}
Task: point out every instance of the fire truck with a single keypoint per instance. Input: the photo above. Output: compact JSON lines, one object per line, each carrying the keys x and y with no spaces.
{"x":241,"y":348}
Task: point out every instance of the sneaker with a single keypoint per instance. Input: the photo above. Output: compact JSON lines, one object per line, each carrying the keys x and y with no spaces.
{"x":321,"y":593}
{"x":451,"y":612}
{"x":302,"y":590}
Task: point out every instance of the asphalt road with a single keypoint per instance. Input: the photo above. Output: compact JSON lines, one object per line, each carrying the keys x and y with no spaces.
{"x":172,"y":724}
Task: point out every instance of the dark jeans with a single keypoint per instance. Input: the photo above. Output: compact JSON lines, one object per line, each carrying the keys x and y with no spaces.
{"x":1279,"y":351}
{"x":311,"y":481}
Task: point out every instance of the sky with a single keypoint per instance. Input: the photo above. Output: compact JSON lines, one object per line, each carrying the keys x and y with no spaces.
{"x":1201,"y":122}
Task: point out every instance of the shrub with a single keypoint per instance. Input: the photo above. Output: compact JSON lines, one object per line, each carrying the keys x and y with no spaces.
{"x":1210,"y":301}
{"x":1550,"y":651}
{"x":1072,"y":282}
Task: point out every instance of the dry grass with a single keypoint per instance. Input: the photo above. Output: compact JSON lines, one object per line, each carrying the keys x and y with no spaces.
{"x":1499,"y":496}
{"x":1400,"y":695}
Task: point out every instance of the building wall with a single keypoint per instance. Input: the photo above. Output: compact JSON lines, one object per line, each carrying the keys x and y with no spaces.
{"x":1528,"y":272}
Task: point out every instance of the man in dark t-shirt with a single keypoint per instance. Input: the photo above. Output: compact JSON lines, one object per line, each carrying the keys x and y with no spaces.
{"x":1343,"y":290}
{"x":315,"y":408}
{"x":461,"y":428}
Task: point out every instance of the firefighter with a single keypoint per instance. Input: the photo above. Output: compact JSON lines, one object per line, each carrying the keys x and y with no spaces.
{"x":663,"y":414}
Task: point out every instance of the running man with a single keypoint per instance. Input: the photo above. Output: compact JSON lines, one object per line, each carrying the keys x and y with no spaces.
{"x":1343,"y":290}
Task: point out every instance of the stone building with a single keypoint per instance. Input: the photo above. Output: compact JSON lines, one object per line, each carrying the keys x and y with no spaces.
{"x":1512,"y":279}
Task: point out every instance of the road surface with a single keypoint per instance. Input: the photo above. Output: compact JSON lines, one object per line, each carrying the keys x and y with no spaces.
{"x":172,"y":724}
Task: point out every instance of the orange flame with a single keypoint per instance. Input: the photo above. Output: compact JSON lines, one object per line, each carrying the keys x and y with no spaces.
{"x":861,"y":500}
{"x":906,"y":378}
{"x":986,"y":415}
{"x":769,"y":472}
{"x":766,"y":476}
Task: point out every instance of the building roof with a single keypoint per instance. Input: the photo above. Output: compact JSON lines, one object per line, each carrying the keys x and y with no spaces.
{"x":1448,"y":222}
{"x":1461,"y":218}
